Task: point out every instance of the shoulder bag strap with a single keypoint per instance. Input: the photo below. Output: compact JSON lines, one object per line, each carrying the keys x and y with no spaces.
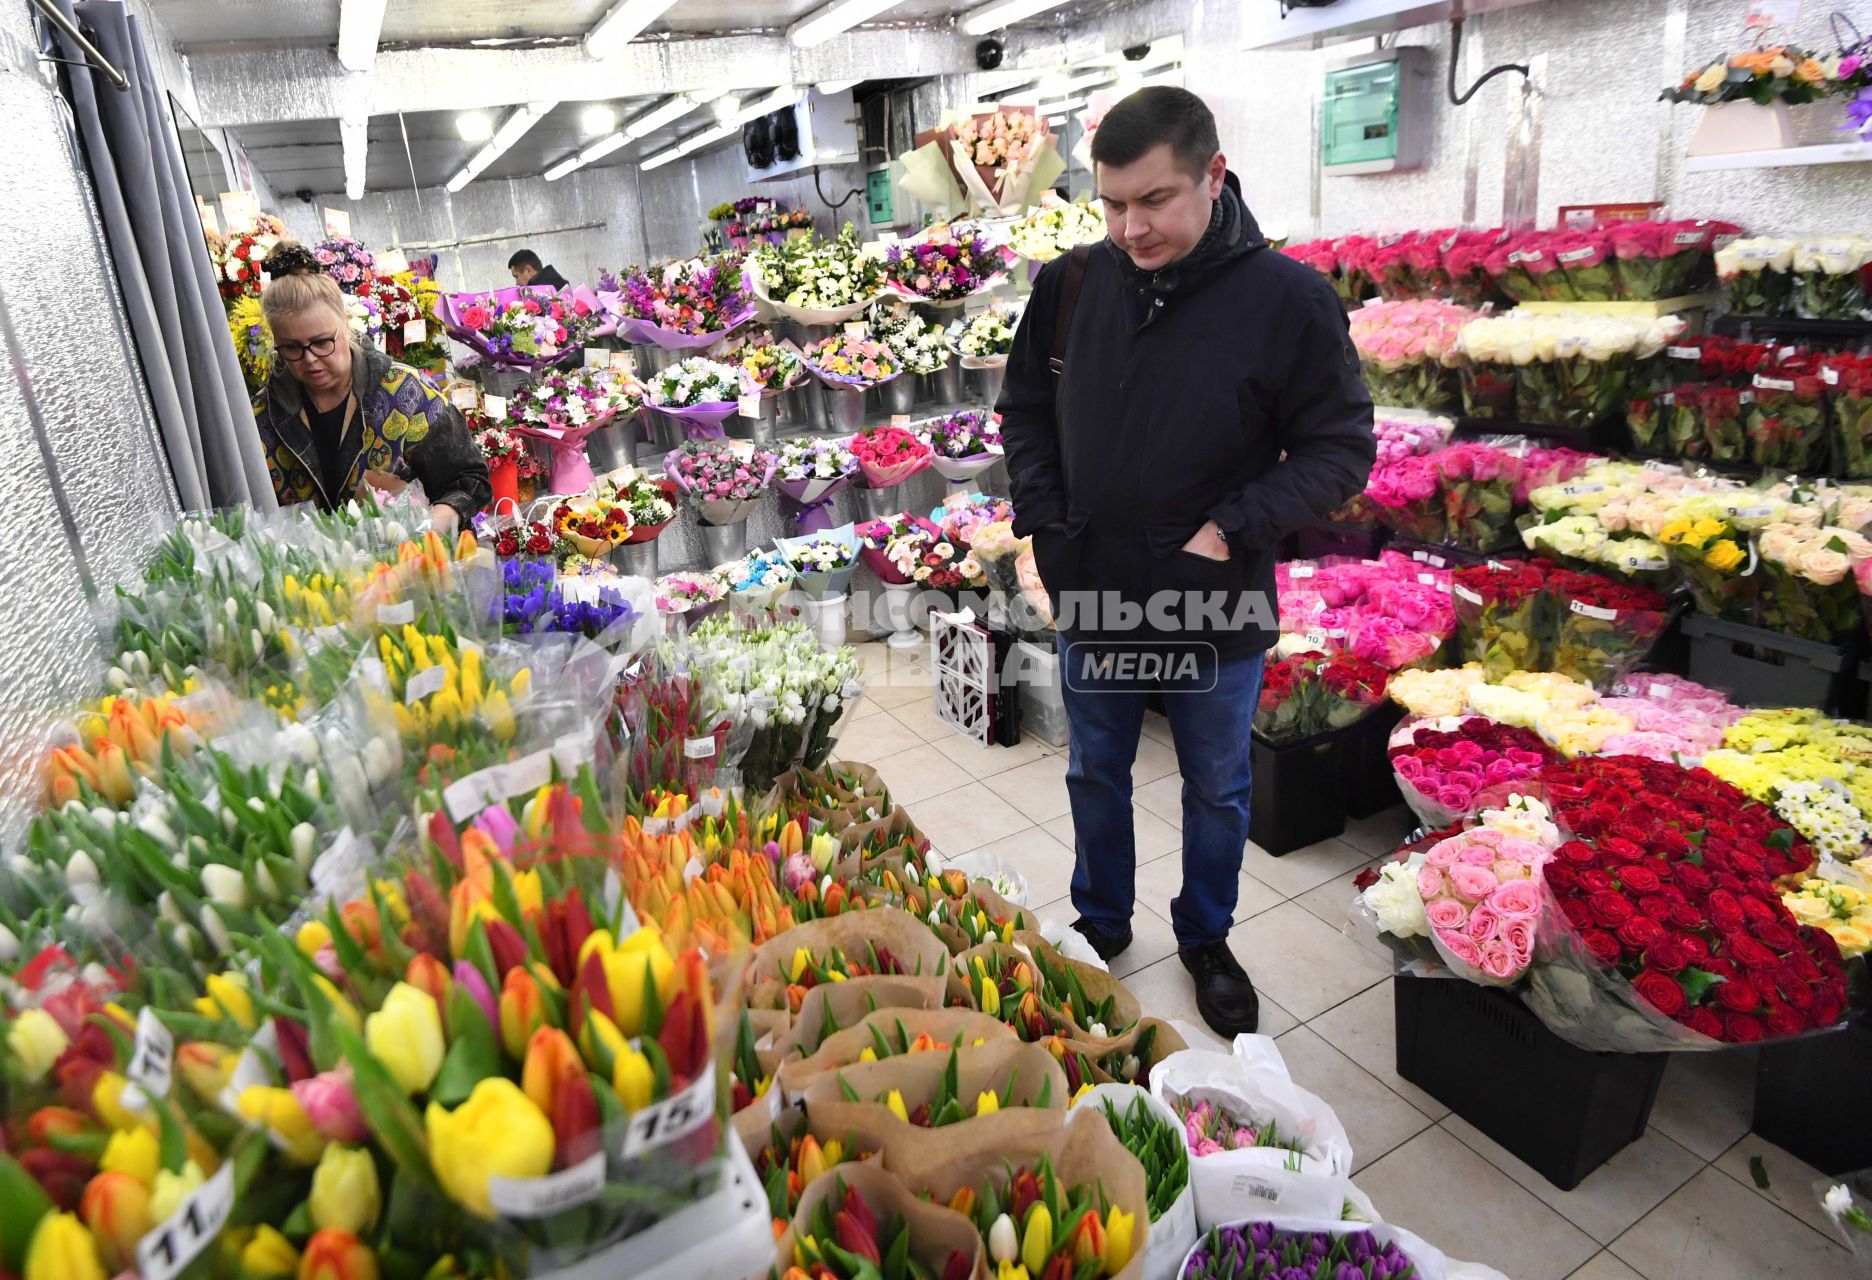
{"x":1076,"y":263}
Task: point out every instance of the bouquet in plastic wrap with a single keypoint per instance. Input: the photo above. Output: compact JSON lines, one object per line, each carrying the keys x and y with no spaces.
{"x":1409,"y":352}
{"x":1406,"y":497}
{"x":1055,"y":229}
{"x":917,"y":345}
{"x":1479,"y":483}
{"x":963,"y":445}
{"x":1600,"y":629}
{"x":519,"y":328}
{"x":649,"y":502}
{"x":823,"y":562}
{"x":698,"y":392}
{"x":809,"y":472}
{"x":851,"y":362}
{"x":1810,"y":589}
{"x":890,"y":455}
{"x":1311,"y":694}
{"x":945,"y":265}
{"x":723,"y":480}
{"x":768,"y":368}
{"x":1715,"y":558}
{"x":1849,"y":410}
{"x":983,"y":341}
{"x":1663,"y":927}
{"x":1829,"y":278}
{"x":1340,"y":261}
{"x":1756,"y":273}
{"x":1498,"y":616}
{"x":1444,"y":765}
{"x":1787,"y":423}
{"x":816,"y":281}
{"x":684,"y":306}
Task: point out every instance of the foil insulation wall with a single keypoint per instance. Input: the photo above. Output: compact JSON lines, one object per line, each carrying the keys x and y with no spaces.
{"x":88,"y":486}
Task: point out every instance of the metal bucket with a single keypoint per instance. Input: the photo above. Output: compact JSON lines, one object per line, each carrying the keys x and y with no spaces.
{"x":877,"y":504}
{"x":636,"y":559}
{"x":723,"y":542}
{"x":986,"y":384}
{"x":759,"y":429}
{"x":946,"y":385}
{"x":845,"y":411}
{"x":900,"y":394}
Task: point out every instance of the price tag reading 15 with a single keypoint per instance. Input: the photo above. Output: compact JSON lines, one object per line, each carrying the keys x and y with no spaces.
{"x":664,"y":1122}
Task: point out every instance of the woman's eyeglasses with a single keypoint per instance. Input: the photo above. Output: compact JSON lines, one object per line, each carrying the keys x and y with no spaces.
{"x":296,"y":351}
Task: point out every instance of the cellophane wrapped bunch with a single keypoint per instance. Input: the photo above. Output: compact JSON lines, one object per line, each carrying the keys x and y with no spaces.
{"x":1666,"y":929}
{"x":1341,"y":262}
{"x":560,"y":399}
{"x":723,"y":481}
{"x":851,"y":361}
{"x":239,"y":262}
{"x":516,"y":328}
{"x":1758,"y":275}
{"x":769,"y":367}
{"x":1443,"y":771}
{"x":1055,"y":229}
{"x":253,"y":340}
{"x":1409,"y":266}
{"x":890,"y":455}
{"x":1498,"y":616}
{"x":1657,"y":260}
{"x":1829,"y":278}
{"x":899,"y":549}
{"x":810,"y":274}
{"x":1810,"y":589}
{"x":1849,"y":414}
{"x":917,"y":345}
{"x":1601,"y":629}
{"x":1407,"y":498}
{"x":1479,"y":482}
{"x":1313,"y":693}
{"x":1571,"y":369}
{"x":984,"y":340}
{"x":945,"y":264}
{"x":1408,"y":352}
{"x":1787,"y":423}
{"x":346,"y":261}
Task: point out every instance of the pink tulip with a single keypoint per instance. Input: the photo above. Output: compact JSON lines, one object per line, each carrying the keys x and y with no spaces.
{"x":331,"y":1105}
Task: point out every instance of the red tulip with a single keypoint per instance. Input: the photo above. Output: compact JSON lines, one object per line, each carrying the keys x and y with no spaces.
{"x":684,"y":1037}
{"x":509,"y":948}
{"x":442,"y":835}
{"x":295,"y":1049}
{"x":592,"y":990}
{"x":62,"y":1175}
{"x":855,"y":1228}
{"x":563,"y":932}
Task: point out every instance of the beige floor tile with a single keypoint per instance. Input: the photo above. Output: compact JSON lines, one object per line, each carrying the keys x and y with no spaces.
{"x":1382,"y":832}
{"x":965,"y":817}
{"x":1294,"y":873}
{"x":1613,"y":1196}
{"x":1151,"y":940}
{"x":866,"y":709}
{"x":1332,"y":900}
{"x":1045,"y":862}
{"x":899,"y":684}
{"x":1790,"y":1181}
{"x":1301,"y":962}
{"x":1037,"y":789}
{"x":1376,"y":1120}
{"x":1714,"y":1228}
{"x":1605,"y":1265}
{"x":1151,"y":835}
{"x":1706,"y":1100}
{"x":1154,"y":760}
{"x":1364,"y":1028}
{"x":1452,"y":1197}
{"x":1160,"y":881}
{"x":979,"y":761}
{"x":1164,"y":797}
{"x":1158,"y":728}
{"x":876,"y":738}
{"x":921,"y":718}
{"x":918,"y":774}
{"x":1165,"y":991}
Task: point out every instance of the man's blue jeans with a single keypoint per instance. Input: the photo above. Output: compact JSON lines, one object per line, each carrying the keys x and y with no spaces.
{"x":1211,"y":730}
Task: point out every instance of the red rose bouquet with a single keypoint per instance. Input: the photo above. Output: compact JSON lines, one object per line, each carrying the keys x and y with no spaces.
{"x":1850,"y":413}
{"x":1787,"y":424}
{"x":1311,"y":693}
{"x":1444,"y":768}
{"x":1497,"y":611}
{"x":1465,"y":264}
{"x":1665,"y":929}
{"x":1601,"y":629}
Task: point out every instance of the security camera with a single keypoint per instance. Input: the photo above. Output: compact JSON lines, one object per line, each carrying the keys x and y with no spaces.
{"x":1137,"y":53}
{"x":988,"y":54}
{"x":304,"y":194}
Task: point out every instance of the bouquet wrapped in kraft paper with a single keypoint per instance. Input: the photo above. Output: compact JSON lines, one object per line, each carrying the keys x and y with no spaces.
{"x":1123,"y":1059}
{"x":882,"y":942}
{"x":790,"y":1154}
{"x":858,"y":1212}
{"x":965,"y":913}
{"x":1095,"y":1002}
{"x":828,"y":1010}
{"x":1070,"y":1174}
{"x":892,"y":841}
{"x":1152,"y":1132}
{"x":1002,"y":981}
{"x":920,"y":1107}
{"x":890,"y":1033}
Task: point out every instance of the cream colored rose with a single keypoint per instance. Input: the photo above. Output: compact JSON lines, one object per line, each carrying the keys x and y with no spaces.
{"x":1822,"y":565}
{"x":1712,"y":78}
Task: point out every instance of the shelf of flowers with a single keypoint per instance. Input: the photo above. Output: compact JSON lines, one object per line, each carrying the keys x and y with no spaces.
{"x":379,"y":919}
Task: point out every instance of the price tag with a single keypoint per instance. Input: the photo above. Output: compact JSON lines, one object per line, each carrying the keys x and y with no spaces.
{"x":1667,"y":399}
{"x":1684,"y":353}
{"x":699,"y":748}
{"x":1774,"y":384}
{"x":1498,"y":564}
{"x":597,"y":358}
{"x":153,"y":1057}
{"x":1745,"y":397}
{"x":1592,"y":611}
{"x":1581,"y":490}
{"x":624,"y":361}
{"x":1427,"y":579}
{"x":1316,"y":639}
{"x":1830,"y":376}
{"x":1684,"y":239}
{"x":399,"y":614}
{"x":1772,"y":13}
{"x":416,"y":331}
{"x":1464,"y":593}
{"x":1662,"y":691}
{"x":1302,"y":571}
{"x":1576,"y":255}
{"x":555,"y":1192}
{"x":900,"y":420}
{"x":255,"y":1066}
{"x":856,"y":329}
{"x":465,"y":398}
{"x":1436,"y":562}
{"x":494,"y":406}
{"x":1450,"y":243}
{"x":748,"y":406}
{"x":1649,"y":566}
{"x":165,"y":1252}
{"x":423,"y":683}
{"x":1759,"y":512}
{"x":661,"y":1123}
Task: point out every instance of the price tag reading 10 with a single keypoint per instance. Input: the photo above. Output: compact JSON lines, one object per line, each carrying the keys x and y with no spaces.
{"x":666,"y":1121}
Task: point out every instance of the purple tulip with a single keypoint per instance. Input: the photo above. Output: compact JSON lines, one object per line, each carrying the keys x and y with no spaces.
{"x":471,"y":980}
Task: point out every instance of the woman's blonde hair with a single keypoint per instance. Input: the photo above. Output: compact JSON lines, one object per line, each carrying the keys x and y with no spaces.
{"x":298,"y":284}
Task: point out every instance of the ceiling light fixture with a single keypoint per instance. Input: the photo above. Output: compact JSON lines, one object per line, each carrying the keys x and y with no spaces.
{"x":511,"y":130}
{"x":474,"y":126}
{"x":360,"y":23}
{"x":1004,"y":13}
{"x":354,"y":134}
{"x":596,"y":151}
{"x":829,"y":20}
{"x":598,"y":118}
{"x":622,"y":23}
{"x":786,"y":95}
{"x":725,"y":108}
{"x":675,"y":109}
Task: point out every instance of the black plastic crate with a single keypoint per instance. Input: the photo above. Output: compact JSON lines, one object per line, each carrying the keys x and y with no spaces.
{"x":1758,"y":667}
{"x":1370,"y":785}
{"x":1298,"y":796}
{"x":1484,"y":1055}
{"x":1317,"y":541}
{"x":1792,"y":1077}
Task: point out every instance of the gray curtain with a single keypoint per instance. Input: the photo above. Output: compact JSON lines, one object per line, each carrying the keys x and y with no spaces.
{"x":167,"y":281}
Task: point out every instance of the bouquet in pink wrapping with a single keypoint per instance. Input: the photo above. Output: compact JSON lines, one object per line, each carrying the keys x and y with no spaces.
{"x":1444,"y":771}
{"x":1400,"y":438}
{"x":685,"y":306}
{"x":889,"y":455}
{"x":519,"y":328}
{"x":897,"y":549}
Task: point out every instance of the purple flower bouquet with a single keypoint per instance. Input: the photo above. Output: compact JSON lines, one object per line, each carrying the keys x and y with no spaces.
{"x":1309,"y":1250}
{"x":685,"y":306}
{"x":515,"y":328}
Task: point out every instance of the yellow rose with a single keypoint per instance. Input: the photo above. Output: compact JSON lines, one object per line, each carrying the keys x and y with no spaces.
{"x":345,"y":1194}
{"x":497,"y":1131}
{"x":406,"y":1036}
{"x":37,"y":1040}
{"x":1723,"y":556}
{"x":1712,"y":78}
{"x":1807,"y":909}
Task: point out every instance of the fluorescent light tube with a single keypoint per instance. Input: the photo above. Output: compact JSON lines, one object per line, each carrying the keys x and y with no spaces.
{"x":829,"y":20}
{"x":622,"y":23}
{"x":360,"y":23}
{"x":1004,"y":13}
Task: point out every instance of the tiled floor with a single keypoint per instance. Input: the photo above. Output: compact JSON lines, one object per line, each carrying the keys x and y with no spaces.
{"x":1680,"y":1204}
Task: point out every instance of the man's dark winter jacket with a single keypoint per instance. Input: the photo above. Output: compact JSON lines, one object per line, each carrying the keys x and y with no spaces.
{"x":1182,"y":391}
{"x":549,"y":275}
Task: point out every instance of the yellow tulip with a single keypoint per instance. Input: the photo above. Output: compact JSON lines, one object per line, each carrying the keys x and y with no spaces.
{"x":345,"y":1194}
{"x":62,"y":1249}
{"x":132,"y":1152}
{"x":867,"y":1054}
{"x":227,"y":998}
{"x":278,"y":1111}
{"x":172,"y":1189}
{"x":1119,"y":1229}
{"x":37,"y":1040}
{"x":894,"y":1101}
{"x":108,"y":1105}
{"x":497,"y":1131}
{"x":986,"y":1103}
{"x":206,"y":1066}
{"x":1037,"y":1238}
{"x":522,"y":1011}
{"x":529,"y":891}
{"x":633,"y":1080}
{"x":341,"y":1008}
{"x":269,"y":1254}
{"x":406,"y":1036}
{"x":1011,"y":1270}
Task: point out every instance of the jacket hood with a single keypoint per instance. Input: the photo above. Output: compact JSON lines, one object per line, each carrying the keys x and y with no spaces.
{"x":1232,"y":233}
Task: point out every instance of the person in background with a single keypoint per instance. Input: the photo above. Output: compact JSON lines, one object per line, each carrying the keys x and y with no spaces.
{"x":334,"y":414}
{"x":526,"y":269}
{"x":1190,"y":398}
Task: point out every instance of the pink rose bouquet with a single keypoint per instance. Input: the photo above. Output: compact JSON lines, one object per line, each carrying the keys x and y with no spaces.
{"x":851,"y":361}
{"x":1408,"y":351}
{"x":720,"y":478}
{"x":1479,"y":484}
{"x":1407,"y":498}
{"x":1444,"y":771}
{"x":889,"y":455}
{"x":1482,"y":899}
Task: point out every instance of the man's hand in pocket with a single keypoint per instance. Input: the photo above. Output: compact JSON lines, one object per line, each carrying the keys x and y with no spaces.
{"x":1208,"y":543}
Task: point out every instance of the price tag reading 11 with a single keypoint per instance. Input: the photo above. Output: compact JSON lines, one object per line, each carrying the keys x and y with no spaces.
{"x":166,"y":1252}
{"x":154,"y":1055}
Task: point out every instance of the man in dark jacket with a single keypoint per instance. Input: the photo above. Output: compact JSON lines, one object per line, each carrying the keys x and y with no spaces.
{"x":1207,"y":403}
{"x":525,"y":269}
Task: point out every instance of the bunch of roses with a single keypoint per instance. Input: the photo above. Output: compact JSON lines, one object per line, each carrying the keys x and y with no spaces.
{"x":1408,"y":266}
{"x":1002,"y":139}
{"x":945,"y":265}
{"x":529,"y":325}
{"x":347,"y":261}
{"x":1812,"y":588}
{"x":1672,"y":718}
{"x":1632,"y":261}
{"x":1600,"y":628}
{"x":1312,"y":693}
{"x":880,"y":450}
{"x":1482,"y":902}
{"x":1669,"y":884}
{"x":1437,"y":693}
{"x":1479,"y":484}
{"x":715,"y":472}
{"x":1850,"y":405}
{"x":532,"y":539}
{"x":962,"y":518}
{"x":238,"y":265}
{"x":1564,"y":711}
{"x":1400,"y":438}
{"x":1406,"y":497}
{"x":396,"y":307}
{"x":497,"y":445}
{"x":1407,"y":351}
{"x":1451,"y":767}
{"x":1496,"y":615}
{"x":851,"y":359}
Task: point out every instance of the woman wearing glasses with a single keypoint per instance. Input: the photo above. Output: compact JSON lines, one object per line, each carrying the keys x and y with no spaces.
{"x":332,"y":410}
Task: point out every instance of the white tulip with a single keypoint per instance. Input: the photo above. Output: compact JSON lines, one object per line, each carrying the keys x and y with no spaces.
{"x":229,"y":822}
{"x":298,"y":743}
{"x":224,"y":884}
{"x":265,"y":883}
{"x":95,"y":974}
{"x":304,"y":842}
{"x":152,"y":825}
{"x":314,"y":785}
{"x":264,"y":612}
{"x":81,"y":870}
{"x":257,"y":644}
{"x":179,"y":861}
{"x":167,"y":909}
{"x":230,"y":609}
{"x":116,"y":680}
{"x":379,"y":761}
{"x":256,"y":804}
{"x":218,"y":936}
{"x":1003,"y":1242}
{"x":9,"y":946}
{"x":184,"y":938}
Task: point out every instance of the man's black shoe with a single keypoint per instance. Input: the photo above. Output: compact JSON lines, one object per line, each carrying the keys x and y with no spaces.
{"x":1224,"y":996}
{"x":1105,"y":939}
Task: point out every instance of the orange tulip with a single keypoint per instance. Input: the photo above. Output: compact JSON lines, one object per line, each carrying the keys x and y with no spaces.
{"x":116,"y":1208}
{"x":430,"y":975}
{"x":522,"y":1012}
{"x":337,"y":1255}
{"x":63,"y":1122}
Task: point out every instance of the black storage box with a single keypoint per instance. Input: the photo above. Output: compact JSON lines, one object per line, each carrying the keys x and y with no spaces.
{"x":1483,"y":1054}
{"x":1370,"y":786}
{"x":1757,"y":667}
{"x":1299,"y":792}
{"x":1793,"y":1077}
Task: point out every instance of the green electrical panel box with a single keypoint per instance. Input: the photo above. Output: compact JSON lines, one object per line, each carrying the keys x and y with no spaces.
{"x":878,"y":193}
{"x":1372,"y":120}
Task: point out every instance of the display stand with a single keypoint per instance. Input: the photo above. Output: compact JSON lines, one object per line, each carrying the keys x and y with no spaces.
{"x":1317,"y":541}
{"x":1294,"y":786}
{"x":965,"y":683}
{"x":1370,"y":784}
{"x":1483,"y":1054}
{"x":1791,"y":1075}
